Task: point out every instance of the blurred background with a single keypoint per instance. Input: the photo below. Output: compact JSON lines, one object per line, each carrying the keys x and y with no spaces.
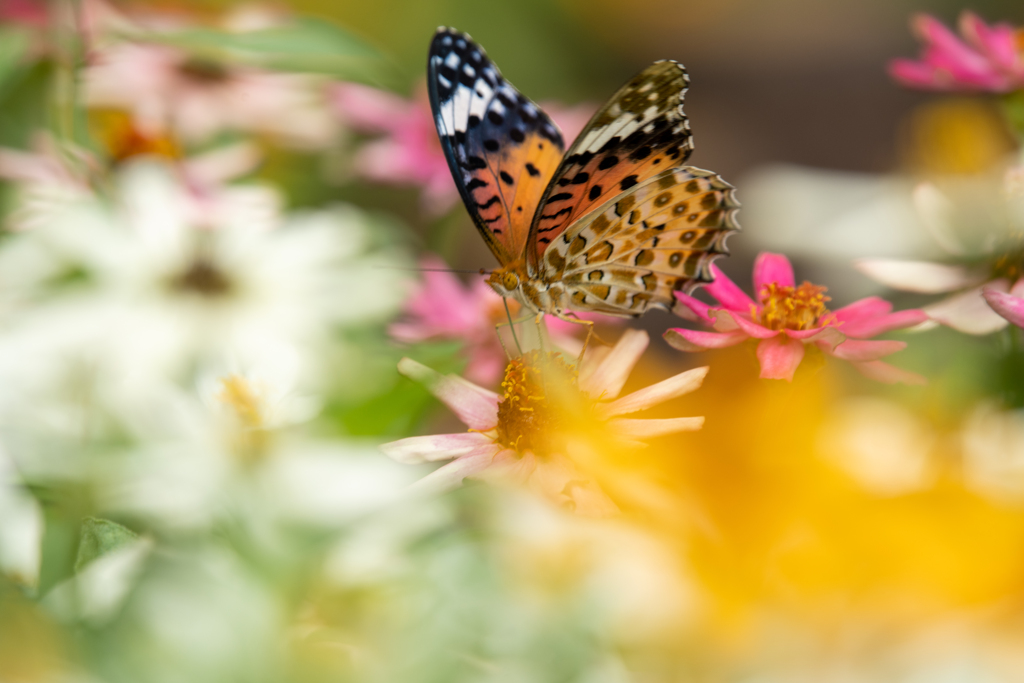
{"x":201,"y":319}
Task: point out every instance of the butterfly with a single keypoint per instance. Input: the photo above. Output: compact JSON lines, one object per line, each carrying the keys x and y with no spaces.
{"x":615,"y":225}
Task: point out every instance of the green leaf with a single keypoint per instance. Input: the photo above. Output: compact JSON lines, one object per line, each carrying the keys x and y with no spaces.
{"x":14,"y":45}
{"x":99,"y":537}
{"x":306,"y":44}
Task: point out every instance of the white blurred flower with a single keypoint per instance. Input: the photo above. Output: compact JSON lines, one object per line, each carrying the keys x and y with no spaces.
{"x":21,"y":527}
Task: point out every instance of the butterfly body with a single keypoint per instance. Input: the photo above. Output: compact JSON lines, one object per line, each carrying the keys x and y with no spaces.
{"x":615,"y":225}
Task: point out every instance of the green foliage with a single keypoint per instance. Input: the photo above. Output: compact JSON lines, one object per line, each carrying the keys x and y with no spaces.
{"x":99,"y":537}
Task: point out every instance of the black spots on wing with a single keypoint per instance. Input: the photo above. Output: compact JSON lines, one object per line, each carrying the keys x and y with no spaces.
{"x":532,"y":170}
{"x":560,"y":197}
{"x":552,"y":134}
{"x":595,"y":192}
{"x":562,"y":182}
{"x":673,"y":152}
{"x":556,"y":214}
{"x":519,"y":209}
{"x":656,"y":161}
{"x":662,"y":199}
{"x":607,"y":162}
{"x":474,"y":162}
{"x":595,"y":275}
{"x":495,"y":118}
{"x":675,"y":259}
{"x":634,"y":216}
{"x":488,"y":203}
{"x":506,"y":178}
{"x":528,"y":114}
{"x":624,"y":204}
{"x":640,"y":153}
{"x":516,"y":135}
{"x":475,"y":183}
{"x":448,"y":73}
{"x":627,"y":182}
{"x":650,"y":282}
{"x":473,"y":121}
{"x":545,"y":240}
{"x":506,"y":99}
{"x":467,"y":77}
{"x":688,"y":236}
{"x":491,"y":145}
{"x":581,"y":178}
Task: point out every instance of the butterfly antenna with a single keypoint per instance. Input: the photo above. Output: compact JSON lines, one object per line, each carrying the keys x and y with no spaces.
{"x":512,"y":325}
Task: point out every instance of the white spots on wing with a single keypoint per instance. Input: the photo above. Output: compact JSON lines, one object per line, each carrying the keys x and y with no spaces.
{"x":460,"y":104}
{"x":497,"y":107}
{"x":461,"y":44}
{"x":481,"y":96}
{"x":452,"y":61}
{"x":444,"y":81}
{"x":468,"y":70}
{"x":530,"y":110}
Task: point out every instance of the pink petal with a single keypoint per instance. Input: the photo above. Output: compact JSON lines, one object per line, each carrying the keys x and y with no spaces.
{"x":860,"y":350}
{"x":946,"y":50}
{"x":694,"y":340}
{"x":886,"y":323}
{"x":916,"y":276}
{"x":916,"y":74}
{"x":681,"y":384}
{"x":451,"y":475}
{"x":420,"y":449}
{"x":779,"y":356}
{"x":997,"y":42}
{"x":475,"y":406}
{"x":607,"y":379}
{"x":749,"y":327}
{"x":727,"y":293}
{"x":969,"y":312}
{"x":827,"y":337}
{"x":649,"y":429}
{"x":369,"y":109}
{"x":883,"y":372}
{"x":692,"y":309}
{"x":862,"y":309}
{"x":1006,"y":305}
{"x":772,"y":268}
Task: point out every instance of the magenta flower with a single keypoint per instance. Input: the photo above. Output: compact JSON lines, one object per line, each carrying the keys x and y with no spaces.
{"x":408,"y":151}
{"x":987,"y":59}
{"x":548,"y":421}
{"x":444,"y":308}
{"x":1009,"y":305}
{"x":786,"y":318}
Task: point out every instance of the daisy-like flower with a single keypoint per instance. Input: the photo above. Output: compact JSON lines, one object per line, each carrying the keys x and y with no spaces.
{"x":786,"y":317}
{"x":167,"y":89}
{"x":988,"y":58}
{"x":408,"y":151}
{"x":444,"y":308}
{"x":548,"y":419}
{"x":996,"y":268}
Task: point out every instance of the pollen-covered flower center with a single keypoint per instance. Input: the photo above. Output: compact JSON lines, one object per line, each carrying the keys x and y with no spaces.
{"x":202,"y":277}
{"x":539,"y":395}
{"x":793,"y":308}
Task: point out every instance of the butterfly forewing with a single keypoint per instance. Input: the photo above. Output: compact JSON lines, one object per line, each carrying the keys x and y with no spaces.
{"x":639,"y":133}
{"x":502,"y":148}
{"x":657,"y":238}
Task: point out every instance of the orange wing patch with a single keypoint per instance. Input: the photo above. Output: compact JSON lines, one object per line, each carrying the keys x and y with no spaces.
{"x":658,"y":238}
{"x":641,"y":132}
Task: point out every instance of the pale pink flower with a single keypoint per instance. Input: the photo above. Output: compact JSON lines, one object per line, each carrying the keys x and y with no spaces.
{"x":408,"y":151}
{"x":1009,"y":305}
{"x":444,"y":308}
{"x":568,"y":421}
{"x":988,"y":58}
{"x":167,"y":90}
{"x":786,"y":318}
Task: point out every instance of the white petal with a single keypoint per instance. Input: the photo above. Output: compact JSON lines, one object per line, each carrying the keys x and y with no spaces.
{"x":969,"y":312}
{"x":916,"y":276}
{"x":419,"y":449}
{"x":476,"y":407}
{"x":935,"y":211}
{"x":683,"y":383}
{"x":646,"y":429}
{"x":606,"y":381}
{"x":451,"y":475}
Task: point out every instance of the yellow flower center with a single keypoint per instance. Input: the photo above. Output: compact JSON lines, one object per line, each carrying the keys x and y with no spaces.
{"x":793,"y":308}
{"x":539,"y":393}
{"x":251,"y":438}
{"x":123,"y":140}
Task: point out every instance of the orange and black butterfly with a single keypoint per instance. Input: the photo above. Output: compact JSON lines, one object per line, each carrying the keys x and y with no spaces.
{"x":615,"y":225}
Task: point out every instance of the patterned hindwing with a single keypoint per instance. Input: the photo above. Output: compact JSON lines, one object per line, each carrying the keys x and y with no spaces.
{"x":501,"y":147}
{"x":658,"y":238}
{"x":641,"y":132}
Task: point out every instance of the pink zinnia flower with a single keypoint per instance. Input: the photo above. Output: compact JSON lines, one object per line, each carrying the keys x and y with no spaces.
{"x":548,"y":420}
{"x":444,"y":308}
{"x":988,"y":58}
{"x":1010,"y":305}
{"x":408,"y":151}
{"x":786,"y":318}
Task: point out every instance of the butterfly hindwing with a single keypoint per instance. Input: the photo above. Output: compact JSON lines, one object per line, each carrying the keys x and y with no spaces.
{"x":639,"y":133}
{"x":501,"y":147}
{"x":657,"y":238}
